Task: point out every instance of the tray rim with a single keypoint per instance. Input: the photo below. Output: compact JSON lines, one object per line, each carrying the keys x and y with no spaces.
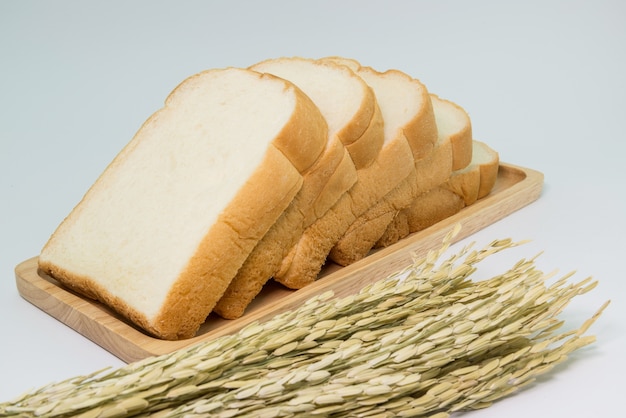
{"x":114,"y":334}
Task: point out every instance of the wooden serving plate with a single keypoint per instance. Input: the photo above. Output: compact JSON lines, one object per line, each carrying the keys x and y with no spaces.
{"x":515,"y":188}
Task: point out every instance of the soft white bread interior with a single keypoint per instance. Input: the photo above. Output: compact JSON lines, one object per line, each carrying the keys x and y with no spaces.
{"x":163,"y":230}
{"x":350,"y":109}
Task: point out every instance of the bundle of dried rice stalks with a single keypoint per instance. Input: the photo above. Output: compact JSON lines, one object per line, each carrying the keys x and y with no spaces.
{"x":426,"y":341}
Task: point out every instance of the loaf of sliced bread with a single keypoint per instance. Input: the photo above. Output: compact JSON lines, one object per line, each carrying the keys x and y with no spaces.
{"x":350,"y":109}
{"x":464,"y":188}
{"x":409,"y":129}
{"x":164,"y":229}
{"x":454,"y":145}
{"x":269,"y":171}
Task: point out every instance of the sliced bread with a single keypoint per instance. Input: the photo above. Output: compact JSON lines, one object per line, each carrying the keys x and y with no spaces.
{"x":409,"y":127}
{"x":350,"y":109}
{"x":485,"y":162}
{"x":464,"y":188}
{"x":454,"y":145}
{"x":164,"y":229}
{"x":454,"y":152}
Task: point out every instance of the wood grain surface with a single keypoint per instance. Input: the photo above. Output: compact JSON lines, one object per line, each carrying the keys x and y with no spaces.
{"x":515,"y":188}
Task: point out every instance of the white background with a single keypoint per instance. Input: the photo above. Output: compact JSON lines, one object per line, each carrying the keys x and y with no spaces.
{"x":543,"y":82}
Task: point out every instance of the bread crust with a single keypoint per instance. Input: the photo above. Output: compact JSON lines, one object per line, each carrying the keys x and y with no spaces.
{"x":308,"y":200}
{"x":240,"y":225}
{"x":365,"y":233}
{"x":488,"y":171}
{"x":305,"y":260}
{"x":464,"y":188}
{"x":225,"y":248}
{"x":352,"y":146}
{"x":434,"y":206}
{"x":422,"y":134}
{"x":308,"y":125}
{"x":465,"y":183}
{"x":323,"y":185}
{"x":361,"y":135}
{"x":421,"y":130}
{"x":364,"y":151}
{"x":459,"y":142}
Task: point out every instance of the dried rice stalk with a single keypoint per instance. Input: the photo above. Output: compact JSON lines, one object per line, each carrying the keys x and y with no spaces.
{"x":426,"y":341}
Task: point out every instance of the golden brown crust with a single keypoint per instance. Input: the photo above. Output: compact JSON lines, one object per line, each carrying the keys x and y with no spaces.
{"x":462,"y":139}
{"x":86,"y":287}
{"x":323,"y":185}
{"x":226,"y":246}
{"x":434,"y":206}
{"x":359,"y":240}
{"x":397,"y":229}
{"x":306,"y":258}
{"x":328,"y":179}
{"x":241,"y":224}
{"x":209,"y":271}
{"x":365,"y":150}
{"x":362,"y":122}
{"x":465,"y":184}
{"x":460,"y":142}
{"x":361,"y":135}
{"x":463,"y":188}
{"x":421,"y":131}
{"x":431,"y":170}
{"x":308,"y":125}
{"x":359,"y":124}
{"x":488,"y":171}
{"x":367,"y":230}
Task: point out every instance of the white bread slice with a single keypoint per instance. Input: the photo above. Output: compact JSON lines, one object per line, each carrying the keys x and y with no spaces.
{"x":351,"y":100}
{"x":454,"y":144}
{"x":404,"y":99}
{"x":350,"y":109}
{"x":409,"y":128}
{"x":464,"y":188}
{"x":163,"y":230}
{"x":456,"y":133}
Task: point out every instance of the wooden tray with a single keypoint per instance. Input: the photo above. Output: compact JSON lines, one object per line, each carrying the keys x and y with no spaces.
{"x":515,"y":188}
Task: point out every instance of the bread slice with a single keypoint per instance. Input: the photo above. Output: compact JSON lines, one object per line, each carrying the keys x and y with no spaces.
{"x":464,"y":188}
{"x":454,"y":145}
{"x":409,"y":128}
{"x":405,"y":102}
{"x":454,"y":151}
{"x":484,"y":173}
{"x":353,"y":117}
{"x":163,"y":230}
